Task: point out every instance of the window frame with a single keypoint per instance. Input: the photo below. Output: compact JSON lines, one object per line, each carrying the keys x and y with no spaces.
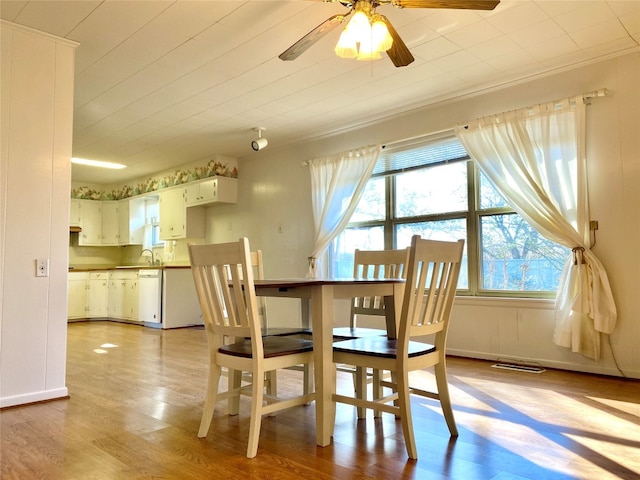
{"x":473,"y":216}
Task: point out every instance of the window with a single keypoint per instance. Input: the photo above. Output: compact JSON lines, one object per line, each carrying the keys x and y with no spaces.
{"x":152,"y":223}
{"x":431,"y":188}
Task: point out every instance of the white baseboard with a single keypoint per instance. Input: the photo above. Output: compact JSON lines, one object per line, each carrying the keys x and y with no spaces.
{"x":33,"y":397}
{"x":596,"y":369}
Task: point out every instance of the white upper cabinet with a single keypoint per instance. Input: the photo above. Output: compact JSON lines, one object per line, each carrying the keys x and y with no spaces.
{"x":91,"y":212}
{"x":173,"y":213}
{"x":176,"y":220}
{"x":75,"y":214}
{"x":122,"y":222}
{"x":109,"y":223}
{"x":212,"y":190}
{"x":131,"y":221}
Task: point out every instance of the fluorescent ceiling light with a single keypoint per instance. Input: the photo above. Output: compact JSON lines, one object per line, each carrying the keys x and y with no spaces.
{"x":97,"y":163}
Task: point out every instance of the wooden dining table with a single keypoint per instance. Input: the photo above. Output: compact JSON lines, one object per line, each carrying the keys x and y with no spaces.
{"x":317,"y":296}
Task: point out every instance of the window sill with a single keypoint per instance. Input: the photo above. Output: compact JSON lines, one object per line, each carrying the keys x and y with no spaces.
{"x":537,"y":303}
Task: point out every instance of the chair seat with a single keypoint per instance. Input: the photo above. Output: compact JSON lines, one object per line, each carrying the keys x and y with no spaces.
{"x":273,"y":347}
{"x":380,"y":347}
{"x":348,"y":333}
{"x":283,"y":332}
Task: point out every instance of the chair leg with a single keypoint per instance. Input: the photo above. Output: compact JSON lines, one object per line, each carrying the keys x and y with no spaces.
{"x":377,"y":389}
{"x":394,"y":380}
{"x":445,"y":399}
{"x":272,"y":383}
{"x":235,"y":382}
{"x":210,"y":400}
{"x":404,"y":403}
{"x":257,"y":397}
{"x":308,"y":384}
{"x":360,"y":388}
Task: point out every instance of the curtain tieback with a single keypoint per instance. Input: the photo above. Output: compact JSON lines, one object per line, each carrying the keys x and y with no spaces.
{"x":578,"y":255}
{"x":312,"y":261}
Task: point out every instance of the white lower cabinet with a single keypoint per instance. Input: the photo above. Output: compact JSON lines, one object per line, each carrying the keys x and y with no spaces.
{"x":160,"y":298}
{"x":77,"y":294}
{"x":97,"y":294}
{"x":87,"y":294}
{"x":123,"y":295}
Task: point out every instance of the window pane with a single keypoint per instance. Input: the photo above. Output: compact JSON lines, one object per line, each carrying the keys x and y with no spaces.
{"x":432,"y":190}
{"x":448,"y":230}
{"x":364,"y":238}
{"x":516,"y":258}
{"x":489,"y":196}
{"x":372,"y":204}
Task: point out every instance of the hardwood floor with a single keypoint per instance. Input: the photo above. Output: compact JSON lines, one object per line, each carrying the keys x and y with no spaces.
{"x":136,"y":397}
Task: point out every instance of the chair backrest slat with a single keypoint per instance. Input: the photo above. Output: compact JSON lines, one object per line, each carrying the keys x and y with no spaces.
{"x":376,"y":264}
{"x":223,"y":277}
{"x":432,"y":276}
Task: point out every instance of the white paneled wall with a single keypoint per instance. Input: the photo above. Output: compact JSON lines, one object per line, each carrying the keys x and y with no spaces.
{"x":37,"y":104}
{"x":274,"y":211}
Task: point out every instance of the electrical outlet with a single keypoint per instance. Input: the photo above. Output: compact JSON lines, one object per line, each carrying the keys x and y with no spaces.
{"x":42,"y":267}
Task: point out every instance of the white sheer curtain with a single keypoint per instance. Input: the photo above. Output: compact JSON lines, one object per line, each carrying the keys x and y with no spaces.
{"x":337,"y":182}
{"x":536,"y":159}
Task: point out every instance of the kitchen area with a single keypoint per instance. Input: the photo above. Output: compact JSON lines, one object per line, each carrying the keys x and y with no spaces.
{"x":128,"y":259}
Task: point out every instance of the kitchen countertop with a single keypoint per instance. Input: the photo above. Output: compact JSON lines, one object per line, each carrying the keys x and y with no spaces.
{"x":93,"y":268}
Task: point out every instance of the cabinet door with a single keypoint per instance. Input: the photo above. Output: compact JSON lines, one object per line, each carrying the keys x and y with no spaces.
{"x":131,"y":221}
{"x":75,"y":213}
{"x":116,"y":297}
{"x":130,"y":306}
{"x":212,"y":190}
{"x":77,"y":295}
{"x":109,"y":222}
{"x":91,"y":223}
{"x":97,"y":295}
{"x":173,"y":214}
{"x":192,"y":193}
{"x":225,"y":190}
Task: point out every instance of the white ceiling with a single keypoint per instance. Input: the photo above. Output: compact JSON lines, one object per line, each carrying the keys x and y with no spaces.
{"x":163,"y":83}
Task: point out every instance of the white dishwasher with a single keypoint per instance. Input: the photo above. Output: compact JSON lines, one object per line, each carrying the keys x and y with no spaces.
{"x":150,"y":297}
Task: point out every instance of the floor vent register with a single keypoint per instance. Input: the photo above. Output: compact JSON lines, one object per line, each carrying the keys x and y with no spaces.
{"x":519,"y":368}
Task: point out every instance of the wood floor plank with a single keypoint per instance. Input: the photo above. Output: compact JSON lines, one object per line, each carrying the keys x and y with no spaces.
{"x":136,"y":396}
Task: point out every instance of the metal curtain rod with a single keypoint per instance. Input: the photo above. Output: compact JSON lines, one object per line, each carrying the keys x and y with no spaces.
{"x":603,"y":92}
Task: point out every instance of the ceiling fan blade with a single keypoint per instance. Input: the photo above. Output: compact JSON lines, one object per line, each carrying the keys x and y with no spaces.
{"x":301,"y":46}
{"x":398,"y":53}
{"x":455,"y":4}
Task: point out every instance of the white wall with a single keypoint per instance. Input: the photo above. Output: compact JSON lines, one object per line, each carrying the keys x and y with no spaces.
{"x":274,"y":211}
{"x":35,"y":174}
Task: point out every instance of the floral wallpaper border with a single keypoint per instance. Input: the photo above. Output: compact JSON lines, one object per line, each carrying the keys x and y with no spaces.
{"x":211,"y":169}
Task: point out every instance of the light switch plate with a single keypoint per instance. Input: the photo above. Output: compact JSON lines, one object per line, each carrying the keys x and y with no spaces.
{"x":42,"y":267}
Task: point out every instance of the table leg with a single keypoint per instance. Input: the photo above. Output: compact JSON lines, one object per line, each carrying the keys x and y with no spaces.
{"x":322,"y":322}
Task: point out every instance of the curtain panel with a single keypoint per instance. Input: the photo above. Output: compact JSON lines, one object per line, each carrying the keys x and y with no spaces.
{"x":536,"y":158}
{"x":337,"y":183}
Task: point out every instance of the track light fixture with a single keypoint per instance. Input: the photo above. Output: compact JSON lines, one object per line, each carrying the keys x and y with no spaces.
{"x":260,"y":143}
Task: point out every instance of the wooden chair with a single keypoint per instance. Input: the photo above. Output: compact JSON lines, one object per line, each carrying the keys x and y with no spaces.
{"x":271,"y":378}
{"x":224,"y":283}
{"x":267,"y":331}
{"x":370,"y":264}
{"x":432,"y":276}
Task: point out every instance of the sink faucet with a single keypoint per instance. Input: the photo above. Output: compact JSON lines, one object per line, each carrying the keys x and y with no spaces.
{"x":153,"y":259}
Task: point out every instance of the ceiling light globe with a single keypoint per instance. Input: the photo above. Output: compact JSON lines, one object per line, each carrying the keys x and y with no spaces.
{"x":359,"y":26}
{"x":380,"y":38}
{"x":346,"y":46}
{"x":366,"y":51}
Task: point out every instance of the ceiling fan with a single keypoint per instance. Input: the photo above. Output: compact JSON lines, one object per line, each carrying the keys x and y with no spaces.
{"x":397,"y":51}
